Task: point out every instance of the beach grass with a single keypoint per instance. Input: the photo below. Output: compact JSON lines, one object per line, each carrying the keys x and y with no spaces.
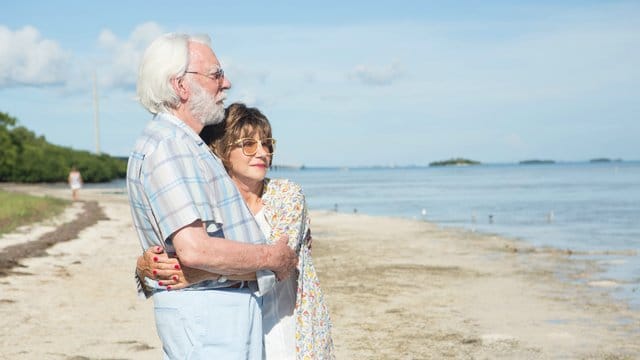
{"x":21,"y":209}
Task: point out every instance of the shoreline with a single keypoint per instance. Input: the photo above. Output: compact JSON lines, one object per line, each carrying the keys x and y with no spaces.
{"x":625,"y":284}
{"x":489,"y":300}
{"x":396,"y":288}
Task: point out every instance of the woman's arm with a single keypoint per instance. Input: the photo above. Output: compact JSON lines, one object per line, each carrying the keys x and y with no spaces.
{"x":156,"y":264}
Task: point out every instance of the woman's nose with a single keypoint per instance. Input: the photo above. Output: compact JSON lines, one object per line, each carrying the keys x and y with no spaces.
{"x":262,"y":151}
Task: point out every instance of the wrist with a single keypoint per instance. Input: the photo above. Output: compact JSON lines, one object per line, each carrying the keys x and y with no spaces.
{"x":265,"y":257}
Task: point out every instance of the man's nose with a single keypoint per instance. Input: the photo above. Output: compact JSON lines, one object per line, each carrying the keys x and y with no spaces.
{"x":226,"y":83}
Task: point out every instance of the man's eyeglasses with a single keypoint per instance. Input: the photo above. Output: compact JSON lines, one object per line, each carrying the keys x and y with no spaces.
{"x":250,"y":146}
{"x":218,"y":75}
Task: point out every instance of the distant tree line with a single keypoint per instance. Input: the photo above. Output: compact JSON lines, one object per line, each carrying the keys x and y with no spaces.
{"x":25,"y":157}
{"x":454,"y":162}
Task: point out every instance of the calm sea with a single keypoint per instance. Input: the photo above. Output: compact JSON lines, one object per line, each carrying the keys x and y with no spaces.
{"x":579,"y":206}
{"x":585,"y":207}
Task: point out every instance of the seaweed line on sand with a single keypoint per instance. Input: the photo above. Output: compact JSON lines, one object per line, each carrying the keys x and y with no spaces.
{"x":10,"y":256}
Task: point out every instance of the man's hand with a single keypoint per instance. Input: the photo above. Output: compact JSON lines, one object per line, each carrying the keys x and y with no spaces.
{"x":282,"y":259}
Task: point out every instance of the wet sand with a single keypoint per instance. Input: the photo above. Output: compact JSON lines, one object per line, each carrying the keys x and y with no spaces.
{"x":397,"y":289}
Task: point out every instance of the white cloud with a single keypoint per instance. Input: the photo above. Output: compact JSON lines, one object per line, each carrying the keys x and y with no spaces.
{"x":376,"y":75}
{"x":29,"y":60}
{"x":254,"y":74}
{"x":119,"y":66}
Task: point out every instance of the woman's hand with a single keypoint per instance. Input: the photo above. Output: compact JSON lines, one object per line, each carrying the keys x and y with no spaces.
{"x":156,"y":264}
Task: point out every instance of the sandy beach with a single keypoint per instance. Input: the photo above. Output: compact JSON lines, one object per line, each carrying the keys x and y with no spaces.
{"x":397,"y":289}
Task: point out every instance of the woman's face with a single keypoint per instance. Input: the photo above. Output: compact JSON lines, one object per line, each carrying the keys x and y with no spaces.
{"x":250,"y":169}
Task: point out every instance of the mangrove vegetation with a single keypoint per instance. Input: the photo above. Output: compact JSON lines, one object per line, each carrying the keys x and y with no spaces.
{"x":26,"y":157}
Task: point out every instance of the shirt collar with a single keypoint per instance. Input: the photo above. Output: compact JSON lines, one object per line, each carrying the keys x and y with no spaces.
{"x":164,"y":116}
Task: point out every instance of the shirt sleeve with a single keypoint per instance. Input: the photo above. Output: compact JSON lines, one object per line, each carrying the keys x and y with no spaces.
{"x":177,"y":187}
{"x":289,"y":214}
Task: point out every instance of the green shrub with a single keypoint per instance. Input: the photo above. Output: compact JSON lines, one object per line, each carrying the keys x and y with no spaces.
{"x":20,"y":209}
{"x":25,"y":157}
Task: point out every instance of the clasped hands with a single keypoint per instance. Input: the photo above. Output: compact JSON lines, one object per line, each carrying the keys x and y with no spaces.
{"x":156,"y":264}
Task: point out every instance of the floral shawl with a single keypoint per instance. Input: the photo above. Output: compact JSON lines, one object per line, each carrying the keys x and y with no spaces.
{"x":286,"y":211}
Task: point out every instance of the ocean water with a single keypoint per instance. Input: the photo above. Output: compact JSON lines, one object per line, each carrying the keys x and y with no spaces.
{"x":584,"y":207}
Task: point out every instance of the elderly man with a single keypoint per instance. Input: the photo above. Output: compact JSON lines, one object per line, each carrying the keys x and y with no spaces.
{"x":183,"y":200}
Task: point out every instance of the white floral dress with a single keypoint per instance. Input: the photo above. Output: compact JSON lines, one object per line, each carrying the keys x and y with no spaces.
{"x":286,"y":212}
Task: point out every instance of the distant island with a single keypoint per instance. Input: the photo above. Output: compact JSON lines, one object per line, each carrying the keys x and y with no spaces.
{"x":536,"y":162}
{"x":604,"y":160}
{"x":287,"y":167}
{"x":454,"y":162}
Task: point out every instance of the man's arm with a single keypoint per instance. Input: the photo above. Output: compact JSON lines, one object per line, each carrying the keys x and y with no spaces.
{"x":155,"y":264}
{"x":196,"y":249}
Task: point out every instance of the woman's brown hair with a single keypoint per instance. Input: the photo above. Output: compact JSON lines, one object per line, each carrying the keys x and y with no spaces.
{"x":239,"y":122}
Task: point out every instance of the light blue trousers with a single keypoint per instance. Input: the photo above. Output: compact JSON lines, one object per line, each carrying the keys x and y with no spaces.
{"x":209,"y":324}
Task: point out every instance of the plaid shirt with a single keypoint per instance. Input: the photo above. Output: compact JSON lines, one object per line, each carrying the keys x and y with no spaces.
{"x":173,"y":179}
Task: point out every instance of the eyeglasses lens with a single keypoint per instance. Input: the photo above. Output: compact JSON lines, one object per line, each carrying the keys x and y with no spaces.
{"x":269,"y":145}
{"x":250,"y":146}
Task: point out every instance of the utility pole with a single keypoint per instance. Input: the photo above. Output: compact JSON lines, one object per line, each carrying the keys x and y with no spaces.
{"x":96,"y":112}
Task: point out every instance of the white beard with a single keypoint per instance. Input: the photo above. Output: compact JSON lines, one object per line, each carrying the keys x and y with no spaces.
{"x":206,"y":108}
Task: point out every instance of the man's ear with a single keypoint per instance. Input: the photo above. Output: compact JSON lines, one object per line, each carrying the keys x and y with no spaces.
{"x":180,"y":88}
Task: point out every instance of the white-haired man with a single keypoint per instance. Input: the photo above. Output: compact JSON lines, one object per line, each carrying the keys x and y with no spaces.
{"x":183,"y":200}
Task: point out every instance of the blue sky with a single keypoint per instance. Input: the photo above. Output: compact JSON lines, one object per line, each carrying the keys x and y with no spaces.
{"x":349,"y":83}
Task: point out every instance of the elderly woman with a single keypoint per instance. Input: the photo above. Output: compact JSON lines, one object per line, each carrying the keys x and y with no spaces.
{"x":295,"y":318}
